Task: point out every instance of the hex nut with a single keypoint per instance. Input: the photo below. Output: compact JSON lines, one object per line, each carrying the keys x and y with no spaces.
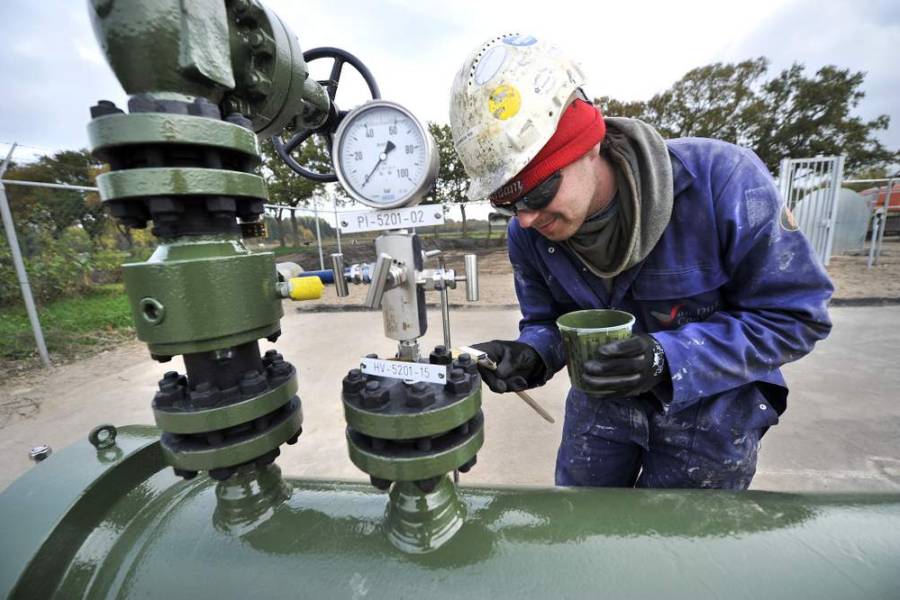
{"x":39,"y":453}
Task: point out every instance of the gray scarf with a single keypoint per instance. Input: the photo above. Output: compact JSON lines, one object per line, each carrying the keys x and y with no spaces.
{"x":624,"y":233}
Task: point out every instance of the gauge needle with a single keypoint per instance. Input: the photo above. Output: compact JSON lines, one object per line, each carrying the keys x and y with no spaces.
{"x":381,"y":157}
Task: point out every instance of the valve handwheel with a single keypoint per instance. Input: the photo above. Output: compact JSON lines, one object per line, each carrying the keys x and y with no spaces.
{"x":286,"y":148}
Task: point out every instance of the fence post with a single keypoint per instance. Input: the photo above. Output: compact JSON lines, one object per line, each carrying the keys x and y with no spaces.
{"x":337,"y":223}
{"x":20,"y":266}
{"x":836,"y":177}
{"x":318,"y":234}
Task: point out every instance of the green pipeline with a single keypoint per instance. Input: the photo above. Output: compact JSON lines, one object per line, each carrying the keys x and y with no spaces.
{"x":114,"y":523}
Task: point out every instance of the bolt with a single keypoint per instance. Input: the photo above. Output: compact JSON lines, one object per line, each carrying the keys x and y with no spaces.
{"x":256,"y":38}
{"x":464,"y":359}
{"x":253,"y":382}
{"x":353,"y":382}
{"x":223,"y":354}
{"x":381,"y":484}
{"x":374,"y":395}
{"x":293,"y":439}
{"x":274,"y":337}
{"x":457,"y":375}
{"x":221,"y":474}
{"x":440,"y":356}
{"x":272,"y":356}
{"x":261,"y":424}
{"x":419,"y":396}
{"x":169,"y":383}
{"x":187,"y":475}
{"x":39,"y":453}
{"x":241,"y":6}
{"x":468,"y":465}
{"x":163,"y":358}
{"x":428,"y":485}
{"x":205,"y":394}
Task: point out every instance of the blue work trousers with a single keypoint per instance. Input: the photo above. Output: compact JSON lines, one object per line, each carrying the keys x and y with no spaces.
{"x":629,"y":443}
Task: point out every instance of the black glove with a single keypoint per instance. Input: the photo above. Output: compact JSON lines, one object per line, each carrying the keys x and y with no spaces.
{"x":519,"y":366}
{"x":625,"y":368}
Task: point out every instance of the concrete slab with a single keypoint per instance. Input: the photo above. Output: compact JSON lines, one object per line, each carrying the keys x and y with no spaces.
{"x":841,"y":431}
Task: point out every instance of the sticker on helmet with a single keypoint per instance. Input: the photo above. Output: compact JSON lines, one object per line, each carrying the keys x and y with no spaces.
{"x":489,"y":64}
{"x":519,"y":40}
{"x":788,"y":221}
{"x":504,"y":101}
{"x":544,"y":80}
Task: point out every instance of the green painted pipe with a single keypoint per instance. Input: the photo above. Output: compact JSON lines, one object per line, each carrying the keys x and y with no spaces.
{"x":89,"y":523}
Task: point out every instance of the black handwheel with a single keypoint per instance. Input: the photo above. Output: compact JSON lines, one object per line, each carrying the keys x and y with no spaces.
{"x":284,"y":149}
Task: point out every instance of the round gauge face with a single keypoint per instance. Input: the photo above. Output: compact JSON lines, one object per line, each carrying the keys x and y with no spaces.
{"x":384,"y":157}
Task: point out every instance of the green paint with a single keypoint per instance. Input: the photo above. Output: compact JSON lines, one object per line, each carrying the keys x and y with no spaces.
{"x":248,"y":498}
{"x":110,"y":133}
{"x":223,"y":417}
{"x":213,"y":292}
{"x":417,"y":425}
{"x":166,"y":46}
{"x":417,"y":522}
{"x":77,"y":527}
{"x":198,"y":456}
{"x":584,"y":331}
{"x":180,"y":181}
{"x":410,"y":467}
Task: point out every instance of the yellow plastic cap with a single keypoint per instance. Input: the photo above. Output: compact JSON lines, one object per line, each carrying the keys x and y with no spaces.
{"x":306,"y":288}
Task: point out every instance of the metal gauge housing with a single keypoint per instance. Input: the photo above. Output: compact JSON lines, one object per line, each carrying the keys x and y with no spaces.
{"x":384,"y":157}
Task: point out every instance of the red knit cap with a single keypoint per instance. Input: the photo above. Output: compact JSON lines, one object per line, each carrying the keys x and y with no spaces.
{"x":580,"y":128}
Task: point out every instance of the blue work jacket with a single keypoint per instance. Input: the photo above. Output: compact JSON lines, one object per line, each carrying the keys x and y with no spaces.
{"x":732,"y":290}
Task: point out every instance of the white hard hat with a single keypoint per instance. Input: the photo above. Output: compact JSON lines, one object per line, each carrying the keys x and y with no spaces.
{"x":505,"y":103}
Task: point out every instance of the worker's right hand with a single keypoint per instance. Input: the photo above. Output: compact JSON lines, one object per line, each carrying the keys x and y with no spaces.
{"x":519,"y":366}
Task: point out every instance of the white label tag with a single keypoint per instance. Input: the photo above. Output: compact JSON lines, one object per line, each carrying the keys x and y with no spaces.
{"x":404,"y":370}
{"x":397,"y":218}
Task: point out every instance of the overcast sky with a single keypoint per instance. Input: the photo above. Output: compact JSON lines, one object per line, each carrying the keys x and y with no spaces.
{"x":53,"y":71}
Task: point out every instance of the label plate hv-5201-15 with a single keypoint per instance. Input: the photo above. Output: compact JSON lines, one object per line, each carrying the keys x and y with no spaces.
{"x":408,"y":371}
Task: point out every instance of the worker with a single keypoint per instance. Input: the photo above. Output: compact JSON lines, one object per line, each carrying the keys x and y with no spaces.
{"x":689,"y":235}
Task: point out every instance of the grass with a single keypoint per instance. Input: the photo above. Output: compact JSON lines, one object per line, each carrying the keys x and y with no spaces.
{"x":73,"y":327}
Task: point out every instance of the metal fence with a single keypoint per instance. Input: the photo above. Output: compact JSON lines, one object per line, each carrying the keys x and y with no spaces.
{"x":810,"y":188}
{"x":883,"y":203}
{"x":60,"y":241}
{"x":317,"y":225}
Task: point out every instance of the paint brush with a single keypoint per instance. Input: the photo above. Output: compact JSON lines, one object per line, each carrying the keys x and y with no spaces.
{"x":485,"y":361}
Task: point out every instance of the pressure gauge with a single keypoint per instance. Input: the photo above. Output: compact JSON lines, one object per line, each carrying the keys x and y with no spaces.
{"x":383,"y":156}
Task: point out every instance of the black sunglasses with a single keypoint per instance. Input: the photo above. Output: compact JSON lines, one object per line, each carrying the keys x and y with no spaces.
{"x":536,"y":199}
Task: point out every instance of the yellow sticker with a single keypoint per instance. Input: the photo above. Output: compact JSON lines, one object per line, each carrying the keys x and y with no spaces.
{"x":504,"y":102}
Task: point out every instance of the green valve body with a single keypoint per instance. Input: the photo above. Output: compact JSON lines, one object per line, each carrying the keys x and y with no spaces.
{"x":113,"y":523}
{"x":204,"y":78}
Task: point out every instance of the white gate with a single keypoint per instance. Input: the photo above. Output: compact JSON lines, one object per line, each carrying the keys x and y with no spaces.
{"x":810,"y":187}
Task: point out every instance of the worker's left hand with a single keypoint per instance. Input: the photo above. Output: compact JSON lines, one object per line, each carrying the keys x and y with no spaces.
{"x":625,"y":368}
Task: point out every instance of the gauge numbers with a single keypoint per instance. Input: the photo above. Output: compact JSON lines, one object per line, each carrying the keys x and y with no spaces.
{"x":385,"y":158}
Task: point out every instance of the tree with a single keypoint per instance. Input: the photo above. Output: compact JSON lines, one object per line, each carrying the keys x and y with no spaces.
{"x":788,"y":115}
{"x":452,"y":181}
{"x":809,"y":116}
{"x":287,"y":188}
{"x":54,"y":209}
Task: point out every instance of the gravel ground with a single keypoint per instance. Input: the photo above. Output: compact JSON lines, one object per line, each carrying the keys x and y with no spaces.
{"x":854,"y":281}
